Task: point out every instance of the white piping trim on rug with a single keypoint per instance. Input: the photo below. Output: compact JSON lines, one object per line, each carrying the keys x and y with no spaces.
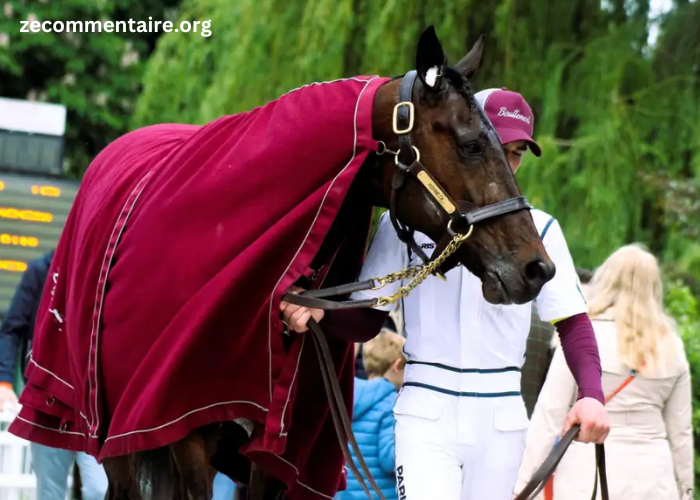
{"x":49,"y":428}
{"x":100,"y":294}
{"x":296,"y":371}
{"x":31,"y":360}
{"x":371,"y":77}
{"x":141,"y":431}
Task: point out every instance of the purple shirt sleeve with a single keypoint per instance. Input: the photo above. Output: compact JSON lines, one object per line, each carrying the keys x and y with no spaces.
{"x":581,"y":352}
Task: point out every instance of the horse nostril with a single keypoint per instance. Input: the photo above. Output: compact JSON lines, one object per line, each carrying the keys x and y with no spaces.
{"x":539,"y":271}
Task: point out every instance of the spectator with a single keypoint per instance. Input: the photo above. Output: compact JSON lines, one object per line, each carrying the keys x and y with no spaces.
{"x":389,"y":325}
{"x":51,"y":465}
{"x":540,"y":349}
{"x":373,"y":418}
{"x":646,"y":380}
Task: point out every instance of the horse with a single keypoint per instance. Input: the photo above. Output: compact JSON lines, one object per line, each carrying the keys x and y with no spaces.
{"x":437,"y":166}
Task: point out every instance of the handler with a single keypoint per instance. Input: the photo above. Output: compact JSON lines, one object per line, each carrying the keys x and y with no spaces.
{"x":460,"y":417}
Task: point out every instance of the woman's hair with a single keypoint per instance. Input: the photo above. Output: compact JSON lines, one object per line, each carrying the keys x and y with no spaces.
{"x":381,"y":352}
{"x":629,"y":285}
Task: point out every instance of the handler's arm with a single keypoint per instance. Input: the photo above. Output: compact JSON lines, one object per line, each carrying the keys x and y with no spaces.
{"x":562,"y":303}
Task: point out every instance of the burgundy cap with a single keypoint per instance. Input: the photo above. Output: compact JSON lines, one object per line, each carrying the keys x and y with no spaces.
{"x":510,"y":115}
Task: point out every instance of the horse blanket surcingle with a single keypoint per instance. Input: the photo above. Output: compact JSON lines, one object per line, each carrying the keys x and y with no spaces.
{"x":161,"y":308}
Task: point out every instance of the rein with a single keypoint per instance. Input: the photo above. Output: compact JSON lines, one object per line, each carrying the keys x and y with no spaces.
{"x":542,"y":475}
{"x":408,"y":162}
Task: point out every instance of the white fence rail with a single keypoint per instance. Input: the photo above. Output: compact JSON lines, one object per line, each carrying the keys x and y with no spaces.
{"x":17,"y":479}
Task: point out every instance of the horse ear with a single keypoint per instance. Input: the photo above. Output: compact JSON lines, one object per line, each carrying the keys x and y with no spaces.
{"x":470,"y":63}
{"x":429,"y":58}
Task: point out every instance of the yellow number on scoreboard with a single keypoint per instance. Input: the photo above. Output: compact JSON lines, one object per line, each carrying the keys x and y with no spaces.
{"x":51,"y":191}
{"x":15,"y":266}
{"x":30,"y":215}
{"x":17,"y":240}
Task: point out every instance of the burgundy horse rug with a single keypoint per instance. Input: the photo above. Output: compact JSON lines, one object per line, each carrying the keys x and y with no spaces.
{"x":161,"y":308}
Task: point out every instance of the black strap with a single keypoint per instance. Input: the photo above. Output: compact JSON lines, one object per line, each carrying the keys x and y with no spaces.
{"x":313,"y":298}
{"x":405,"y":234}
{"x":339,"y":412}
{"x":602,"y":472}
{"x":499,"y":208}
{"x":405,"y":156}
{"x":403,"y":118}
{"x":341,"y":289}
{"x":329,"y":305}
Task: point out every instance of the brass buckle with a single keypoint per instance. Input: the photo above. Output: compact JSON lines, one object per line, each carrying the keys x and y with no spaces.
{"x":410,"y":117}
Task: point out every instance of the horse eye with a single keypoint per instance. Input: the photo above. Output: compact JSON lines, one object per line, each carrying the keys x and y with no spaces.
{"x":472,"y":148}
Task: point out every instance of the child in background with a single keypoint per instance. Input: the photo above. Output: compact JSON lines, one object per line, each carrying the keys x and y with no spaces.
{"x":373,"y":418}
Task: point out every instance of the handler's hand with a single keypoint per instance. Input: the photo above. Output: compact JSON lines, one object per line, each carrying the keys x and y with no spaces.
{"x":591,"y":415}
{"x":296,"y":316}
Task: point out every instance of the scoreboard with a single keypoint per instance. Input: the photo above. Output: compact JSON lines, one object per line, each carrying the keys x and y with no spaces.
{"x":33,"y":211}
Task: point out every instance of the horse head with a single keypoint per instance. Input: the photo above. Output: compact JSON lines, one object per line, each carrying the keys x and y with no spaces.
{"x":444,"y":172}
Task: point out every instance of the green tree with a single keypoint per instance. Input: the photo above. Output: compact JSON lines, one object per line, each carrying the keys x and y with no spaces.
{"x":95,"y":75}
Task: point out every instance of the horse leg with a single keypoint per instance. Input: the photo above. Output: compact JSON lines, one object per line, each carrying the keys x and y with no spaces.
{"x":263,"y":486}
{"x":123,"y":484}
{"x":191,"y":455}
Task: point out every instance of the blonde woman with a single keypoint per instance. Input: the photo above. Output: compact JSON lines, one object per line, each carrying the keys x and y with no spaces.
{"x":646,"y":381}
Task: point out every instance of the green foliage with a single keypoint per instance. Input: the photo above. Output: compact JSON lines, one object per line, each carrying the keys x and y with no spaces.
{"x":95,"y":75}
{"x":682,"y":305}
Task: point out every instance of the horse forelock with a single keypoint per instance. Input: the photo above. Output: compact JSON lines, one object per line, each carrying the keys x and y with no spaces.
{"x":459,"y":82}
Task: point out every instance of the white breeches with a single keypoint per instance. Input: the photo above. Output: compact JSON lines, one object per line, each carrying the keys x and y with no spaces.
{"x":457,"y":448}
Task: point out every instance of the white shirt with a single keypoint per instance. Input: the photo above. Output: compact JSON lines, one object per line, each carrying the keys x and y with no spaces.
{"x":449,"y":323}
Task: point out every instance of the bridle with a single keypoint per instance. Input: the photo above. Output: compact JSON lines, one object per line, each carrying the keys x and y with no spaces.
{"x":408,"y":162}
{"x":462,"y":212}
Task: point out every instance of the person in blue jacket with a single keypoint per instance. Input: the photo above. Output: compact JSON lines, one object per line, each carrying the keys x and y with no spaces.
{"x":373,"y":418}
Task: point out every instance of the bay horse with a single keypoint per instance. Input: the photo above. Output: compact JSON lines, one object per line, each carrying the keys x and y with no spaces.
{"x":440,"y":170}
